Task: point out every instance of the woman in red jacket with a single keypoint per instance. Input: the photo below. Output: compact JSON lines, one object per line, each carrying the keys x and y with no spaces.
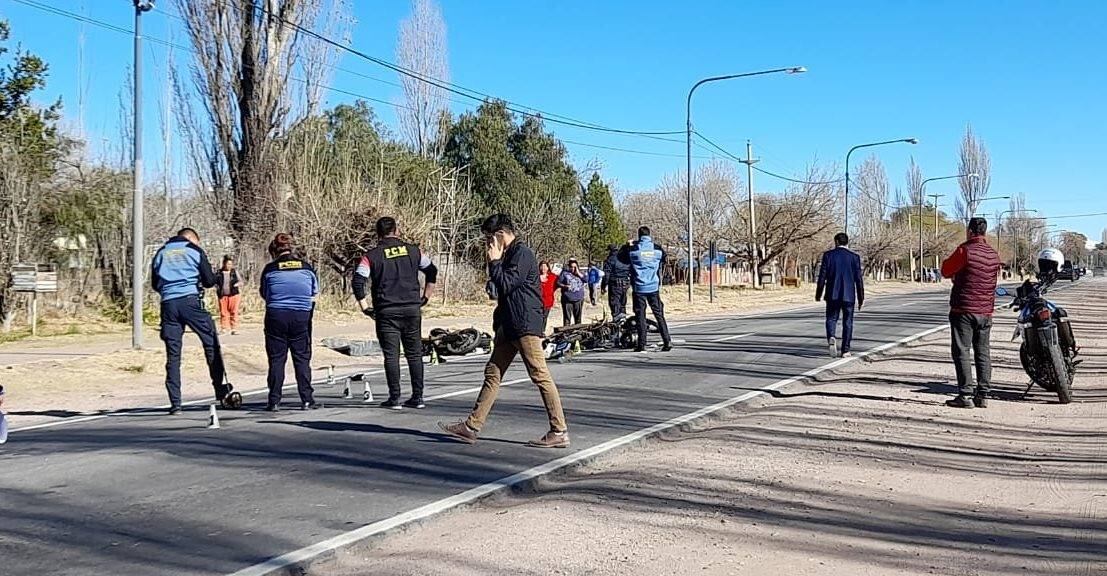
{"x":548,"y":281}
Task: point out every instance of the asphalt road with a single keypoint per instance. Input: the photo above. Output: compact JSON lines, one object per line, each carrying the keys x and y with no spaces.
{"x":148,"y":494}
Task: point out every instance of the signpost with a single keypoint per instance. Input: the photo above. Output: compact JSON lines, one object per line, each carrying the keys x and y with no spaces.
{"x":34,"y":279}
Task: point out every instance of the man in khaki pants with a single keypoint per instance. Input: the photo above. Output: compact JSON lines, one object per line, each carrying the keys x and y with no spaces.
{"x":519,"y":325}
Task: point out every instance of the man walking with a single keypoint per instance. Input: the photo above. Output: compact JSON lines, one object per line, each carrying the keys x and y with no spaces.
{"x":645,"y":261}
{"x":393,"y":268}
{"x":973,"y":266}
{"x":615,"y":282}
{"x":841,"y":280}
{"x":179,"y":271}
{"x":518,"y":325}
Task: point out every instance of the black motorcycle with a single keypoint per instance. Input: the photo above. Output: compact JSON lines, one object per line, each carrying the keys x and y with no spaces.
{"x":1048,"y":351}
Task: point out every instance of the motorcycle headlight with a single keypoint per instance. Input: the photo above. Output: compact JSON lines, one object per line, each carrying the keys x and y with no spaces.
{"x":1044,"y":314}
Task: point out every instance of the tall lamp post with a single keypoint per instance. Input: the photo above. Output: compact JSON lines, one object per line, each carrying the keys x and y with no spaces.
{"x":859,"y":146}
{"x":922,"y":198}
{"x":138,"y":227}
{"x":688,"y":175}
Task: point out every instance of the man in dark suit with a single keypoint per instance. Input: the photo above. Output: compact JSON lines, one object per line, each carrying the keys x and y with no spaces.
{"x":844,"y":285}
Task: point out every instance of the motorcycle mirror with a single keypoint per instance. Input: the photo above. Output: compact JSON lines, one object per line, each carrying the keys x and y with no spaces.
{"x":1001,"y":291}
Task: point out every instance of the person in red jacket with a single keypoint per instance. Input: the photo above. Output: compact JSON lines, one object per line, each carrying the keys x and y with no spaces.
{"x":548,"y":281}
{"x":974,"y":268}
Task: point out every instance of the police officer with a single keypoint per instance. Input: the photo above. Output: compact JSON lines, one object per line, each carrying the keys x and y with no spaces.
{"x":645,"y":261}
{"x":393,"y":268}
{"x":179,"y":271}
{"x":615,"y":282}
{"x":289,"y":286}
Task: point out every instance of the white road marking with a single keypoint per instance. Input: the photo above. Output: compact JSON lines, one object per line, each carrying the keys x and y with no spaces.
{"x":473,"y":494}
{"x":733,"y":337}
{"x":472,"y":390}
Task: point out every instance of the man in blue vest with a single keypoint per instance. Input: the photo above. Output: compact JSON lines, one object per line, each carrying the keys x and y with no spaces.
{"x":645,"y":262}
{"x":841,"y":279}
{"x":179,"y":272}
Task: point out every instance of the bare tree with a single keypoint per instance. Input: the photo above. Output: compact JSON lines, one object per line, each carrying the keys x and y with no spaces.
{"x":246,"y":52}
{"x":878,"y":239}
{"x":973,"y":159}
{"x":915,"y":183}
{"x":421,"y":48}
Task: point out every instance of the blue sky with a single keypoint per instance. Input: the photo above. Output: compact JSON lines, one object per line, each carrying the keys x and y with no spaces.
{"x":1028,"y":75}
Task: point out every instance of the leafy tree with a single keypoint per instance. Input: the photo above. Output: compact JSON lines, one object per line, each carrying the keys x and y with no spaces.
{"x":600,"y":224}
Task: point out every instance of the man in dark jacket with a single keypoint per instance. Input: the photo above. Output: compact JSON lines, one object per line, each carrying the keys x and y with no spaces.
{"x":178,"y":272}
{"x":393,"y":268}
{"x":974,"y":267}
{"x":615,"y":281}
{"x":646,"y":261}
{"x":841,"y":279}
{"x":518,"y":322}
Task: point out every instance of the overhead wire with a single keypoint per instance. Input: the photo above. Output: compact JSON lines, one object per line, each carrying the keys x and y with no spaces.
{"x":730,"y":155}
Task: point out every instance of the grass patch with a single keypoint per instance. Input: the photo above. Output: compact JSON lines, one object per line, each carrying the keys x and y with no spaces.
{"x":134,"y":368}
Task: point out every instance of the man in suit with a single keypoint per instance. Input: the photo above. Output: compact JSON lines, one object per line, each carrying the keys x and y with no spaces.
{"x":841,"y":280}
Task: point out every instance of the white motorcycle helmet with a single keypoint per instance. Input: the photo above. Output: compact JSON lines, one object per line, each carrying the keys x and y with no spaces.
{"x":1050,"y":261}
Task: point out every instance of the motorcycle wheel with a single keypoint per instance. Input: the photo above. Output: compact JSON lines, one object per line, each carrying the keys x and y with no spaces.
{"x":1033,"y":368}
{"x":465,"y":342}
{"x":1060,"y":374}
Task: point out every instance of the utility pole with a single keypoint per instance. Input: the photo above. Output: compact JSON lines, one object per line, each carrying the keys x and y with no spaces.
{"x":754,"y":252}
{"x":936,"y":255}
{"x":138,"y":226}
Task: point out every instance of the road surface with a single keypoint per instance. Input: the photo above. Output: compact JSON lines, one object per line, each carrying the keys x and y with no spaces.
{"x":145,"y":493}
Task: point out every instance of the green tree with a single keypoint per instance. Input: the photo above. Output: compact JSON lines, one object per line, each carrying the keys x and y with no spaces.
{"x":600,"y":224}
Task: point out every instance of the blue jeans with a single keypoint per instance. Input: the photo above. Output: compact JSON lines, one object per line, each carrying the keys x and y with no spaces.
{"x":834,"y":308}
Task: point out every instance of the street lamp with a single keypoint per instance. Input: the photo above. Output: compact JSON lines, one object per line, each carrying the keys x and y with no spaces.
{"x":688,"y":175}
{"x":137,"y":225}
{"x":922,"y":197}
{"x":975,"y":203}
{"x":906,"y":140}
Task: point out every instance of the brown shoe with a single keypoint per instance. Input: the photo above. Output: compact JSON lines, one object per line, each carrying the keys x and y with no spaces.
{"x":551,"y":440}
{"x":460,"y":431}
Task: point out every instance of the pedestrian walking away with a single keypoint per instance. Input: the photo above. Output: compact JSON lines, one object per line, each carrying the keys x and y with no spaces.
{"x":645,"y":261}
{"x":571,"y":281}
{"x":289,"y":286}
{"x":396,"y":305}
{"x":548,"y":280}
{"x":615,"y":282}
{"x":517,"y":323}
{"x":227,"y":288}
{"x":595,"y":277}
{"x":974,"y":268}
{"x":178,"y":273}
{"x":842,"y":285}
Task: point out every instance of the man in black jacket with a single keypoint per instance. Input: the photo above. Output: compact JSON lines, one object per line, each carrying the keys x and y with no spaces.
{"x":615,"y":281}
{"x":519,"y":325}
{"x":393,"y":268}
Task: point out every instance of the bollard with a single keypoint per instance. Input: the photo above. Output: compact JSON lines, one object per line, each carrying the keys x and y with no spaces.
{"x":346,"y":392}
{"x":576,"y":347}
{"x":367,"y":395}
{"x":213,"y":418}
{"x":434,"y":356}
{"x":330,"y":374}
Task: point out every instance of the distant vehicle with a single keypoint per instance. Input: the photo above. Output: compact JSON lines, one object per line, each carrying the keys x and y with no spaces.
{"x":1067,"y":272}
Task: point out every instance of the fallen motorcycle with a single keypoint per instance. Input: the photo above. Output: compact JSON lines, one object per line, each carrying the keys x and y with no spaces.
{"x":619,"y":332}
{"x":443,"y":342}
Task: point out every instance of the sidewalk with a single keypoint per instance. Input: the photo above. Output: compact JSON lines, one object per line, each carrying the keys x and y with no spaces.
{"x":49,"y":379}
{"x":864,"y":472}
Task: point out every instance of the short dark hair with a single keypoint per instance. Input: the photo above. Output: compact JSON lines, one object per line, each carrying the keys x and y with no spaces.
{"x":386,"y":225}
{"x":496,"y":223}
{"x":281,"y":243}
{"x":841,"y":239}
{"x":643,"y":231}
{"x":612,"y":247}
{"x":228,"y":258}
{"x":187,"y":230}
{"x":978,"y":226}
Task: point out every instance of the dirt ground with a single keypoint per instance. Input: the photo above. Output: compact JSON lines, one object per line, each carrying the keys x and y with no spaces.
{"x":69,"y":375}
{"x":862,"y":472}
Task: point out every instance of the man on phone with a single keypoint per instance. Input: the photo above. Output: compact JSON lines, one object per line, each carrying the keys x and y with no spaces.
{"x":393,"y":268}
{"x":519,"y":325}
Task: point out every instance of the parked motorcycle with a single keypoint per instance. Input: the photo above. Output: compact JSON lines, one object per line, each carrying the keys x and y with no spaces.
{"x":1048,"y":351}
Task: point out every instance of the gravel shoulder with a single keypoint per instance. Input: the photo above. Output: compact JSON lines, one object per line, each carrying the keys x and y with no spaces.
{"x":862,"y":472}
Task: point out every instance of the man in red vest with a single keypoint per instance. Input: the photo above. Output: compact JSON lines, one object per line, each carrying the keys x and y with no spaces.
{"x":974,"y":268}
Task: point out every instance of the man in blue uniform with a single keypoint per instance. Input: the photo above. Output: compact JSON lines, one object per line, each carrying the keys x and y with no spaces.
{"x":615,"y":282}
{"x":289,"y":286}
{"x":392,"y":268}
{"x":645,"y":262}
{"x":179,"y":271}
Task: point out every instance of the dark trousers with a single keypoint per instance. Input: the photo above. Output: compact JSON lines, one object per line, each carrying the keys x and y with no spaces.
{"x":654,"y":301}
{"x":177,"y":314}
{"x":545,"y":318}
{"x":617,"y":298}
{"x":592,"y":293}
{"x":835,"y":308}
{"x":401,"y":325}
{"x":972,"y":331}
{"x":572,"y":312}
{"x":288,"y":331}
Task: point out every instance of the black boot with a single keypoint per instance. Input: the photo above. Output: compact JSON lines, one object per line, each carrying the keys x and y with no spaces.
{"x":961,"y":401}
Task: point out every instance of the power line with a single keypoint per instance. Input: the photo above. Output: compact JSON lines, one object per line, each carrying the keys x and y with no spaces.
{"x":727,"y":153}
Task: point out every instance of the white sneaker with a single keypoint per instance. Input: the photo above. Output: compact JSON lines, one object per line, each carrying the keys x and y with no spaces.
{"x":832,"y":347}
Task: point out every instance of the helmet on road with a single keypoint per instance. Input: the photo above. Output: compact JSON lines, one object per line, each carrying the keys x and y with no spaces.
{"x":1050,"y":261}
